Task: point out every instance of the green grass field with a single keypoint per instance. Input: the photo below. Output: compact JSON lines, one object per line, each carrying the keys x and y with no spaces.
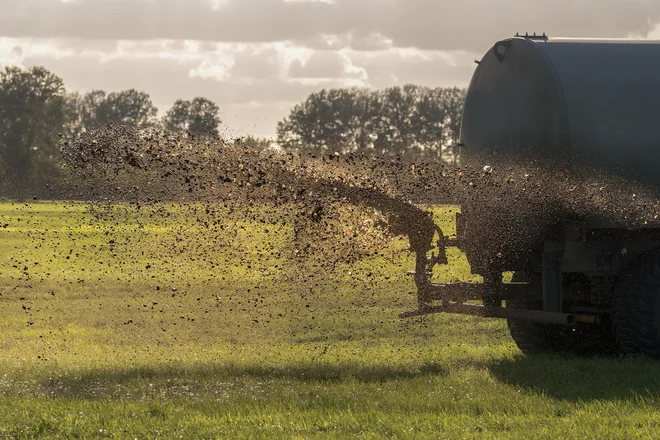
{"x":149,"y":325}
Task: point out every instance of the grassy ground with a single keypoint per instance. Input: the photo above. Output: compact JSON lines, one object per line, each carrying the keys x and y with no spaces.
{"x":141,"y":326}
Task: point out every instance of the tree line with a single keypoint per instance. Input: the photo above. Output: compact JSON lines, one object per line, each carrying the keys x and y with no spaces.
{"x":411,"y":122}
{"x":36,"y":112}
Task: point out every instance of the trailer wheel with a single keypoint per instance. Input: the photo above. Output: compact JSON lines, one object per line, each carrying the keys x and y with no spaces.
{"x":580,"y":340}
{"x":636,"y":307}
{"x":533,"y":338}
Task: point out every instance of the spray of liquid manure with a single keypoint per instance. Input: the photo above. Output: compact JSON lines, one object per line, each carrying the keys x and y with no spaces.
{"x":123,"y":164}
{"x":515,"y":201}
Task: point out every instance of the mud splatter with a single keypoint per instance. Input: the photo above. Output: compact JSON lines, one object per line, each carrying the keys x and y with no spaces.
{"x":120,"y":164}
{"x":511,"y":206}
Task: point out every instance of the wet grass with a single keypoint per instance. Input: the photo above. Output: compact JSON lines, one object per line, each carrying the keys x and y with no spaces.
{"x":150,"y":329}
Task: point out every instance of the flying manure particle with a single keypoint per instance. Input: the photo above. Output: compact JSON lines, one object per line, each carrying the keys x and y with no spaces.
{"x":120,"y":163}
{"x":339,"y":207}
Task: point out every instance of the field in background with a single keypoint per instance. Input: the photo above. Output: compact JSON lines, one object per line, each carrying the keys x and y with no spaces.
{"x":135,"y":324}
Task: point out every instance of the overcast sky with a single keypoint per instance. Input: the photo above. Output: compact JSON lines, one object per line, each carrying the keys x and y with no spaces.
{"x":258,"y":58}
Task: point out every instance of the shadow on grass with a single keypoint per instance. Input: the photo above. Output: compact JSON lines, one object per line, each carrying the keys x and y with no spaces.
{"x":582,"y":378}
{"x":127,"y":382}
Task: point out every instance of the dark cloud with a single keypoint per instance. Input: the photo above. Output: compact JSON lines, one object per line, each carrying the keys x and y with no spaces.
{"x":474,"y":24}
{"x":428,"y":24}
{"x":80,"y":46}
{"x":234,"y":20}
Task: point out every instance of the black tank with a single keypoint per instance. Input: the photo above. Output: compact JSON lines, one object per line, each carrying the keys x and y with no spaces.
{"x":582,"y":103}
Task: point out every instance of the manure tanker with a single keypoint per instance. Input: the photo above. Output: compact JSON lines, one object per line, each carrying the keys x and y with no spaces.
{"x":588,"y":282}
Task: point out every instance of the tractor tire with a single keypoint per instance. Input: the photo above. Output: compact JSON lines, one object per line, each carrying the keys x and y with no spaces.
{"x":534,"y":338}
{"x":636,"y":307}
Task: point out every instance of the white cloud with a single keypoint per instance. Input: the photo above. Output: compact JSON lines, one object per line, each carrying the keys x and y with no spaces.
{"x":258,"y":57}
{"x":326,"y":66}
{"x":216,"y":70}
{"x":330,"y":2}
{"x":13,"y":51}
{"x":430,"y":68}
{"x":653,"y":34}
{"x":217,"y":4}
{"x":262,"y":80}
{"x":11,"y":56}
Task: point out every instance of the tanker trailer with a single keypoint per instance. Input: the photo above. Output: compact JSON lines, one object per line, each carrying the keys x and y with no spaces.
{"x":583,"y":282}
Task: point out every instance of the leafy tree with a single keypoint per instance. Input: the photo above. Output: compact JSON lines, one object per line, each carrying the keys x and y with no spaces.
{"x":454,"y":100}
{"x":254,"y":142}
{"x":398,"y":126}
{"x":203,"y":117}
{"x":32,"y":113}
{"x":127,"y":107}
{"x":420,"y":121}
{"x":199,"y":117}
{"x":176,"y":118}
{"x":81,"y":110}
{"x":97,"y":108}
{"x":336,"y":120}
{"x":410,"y":121}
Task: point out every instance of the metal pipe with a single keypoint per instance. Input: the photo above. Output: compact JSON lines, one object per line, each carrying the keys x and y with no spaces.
{"x":539,"y":316}
{"x":422,"y":311}
{"x":588,"y":319}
